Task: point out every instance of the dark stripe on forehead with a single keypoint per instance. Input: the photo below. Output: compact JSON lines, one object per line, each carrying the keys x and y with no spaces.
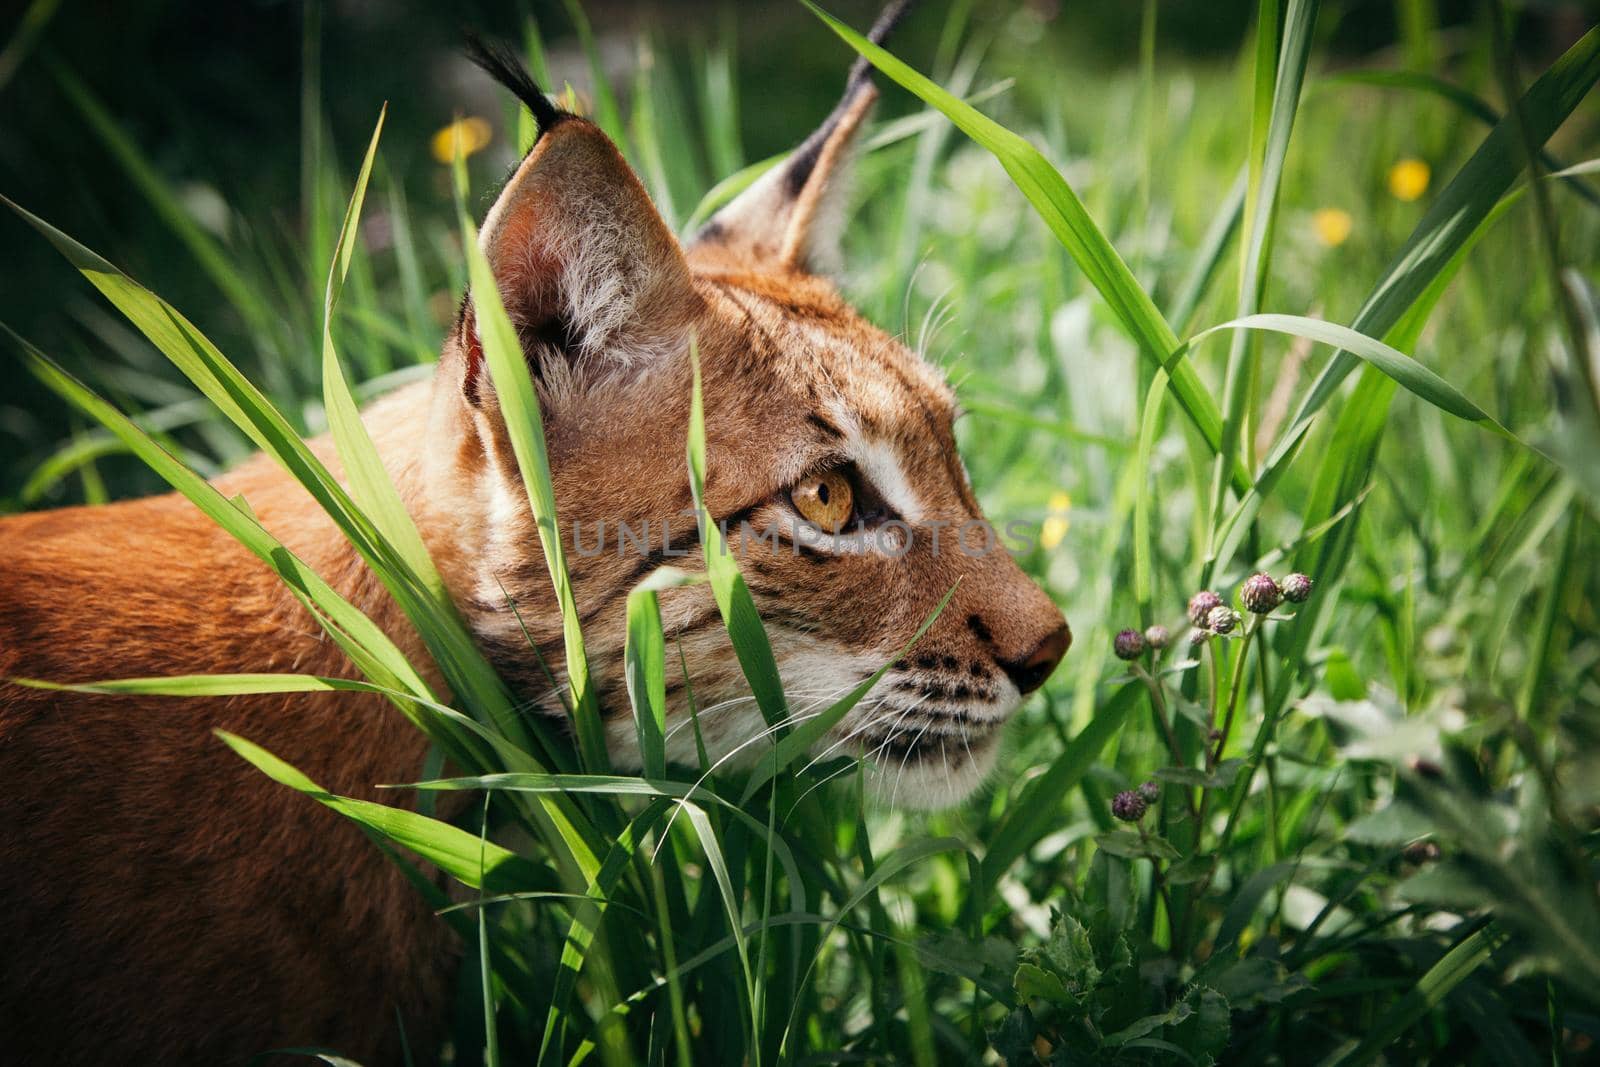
{"x":824,"y":425}
{"x":770,"y":343}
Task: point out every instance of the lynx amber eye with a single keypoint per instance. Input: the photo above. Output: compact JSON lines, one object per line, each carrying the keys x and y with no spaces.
{"x":825,"y":500}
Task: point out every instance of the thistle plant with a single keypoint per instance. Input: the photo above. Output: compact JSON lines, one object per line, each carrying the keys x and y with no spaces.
{"x":1260,"y":594}
{"x":1129,"y":805}
{"x":1201,"y":605}
{"x":1297,"y":588}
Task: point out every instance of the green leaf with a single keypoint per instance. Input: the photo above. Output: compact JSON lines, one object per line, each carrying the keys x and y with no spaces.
{"x":1205,"y":1032}
{"x":1191,"y":870}
{"x":1129,"y":845}
{"x":370,"y":483}
{"x":1069,"y":952}
{"x":1034,"y":982}
{"x":1280,"y":72}
{"x":1221,"y":778}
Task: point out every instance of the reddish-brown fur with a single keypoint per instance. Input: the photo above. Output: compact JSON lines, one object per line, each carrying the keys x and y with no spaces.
{"x":161,"y":901}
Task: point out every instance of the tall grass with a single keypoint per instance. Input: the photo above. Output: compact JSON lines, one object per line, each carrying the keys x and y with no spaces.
{"x":1375,"y":831}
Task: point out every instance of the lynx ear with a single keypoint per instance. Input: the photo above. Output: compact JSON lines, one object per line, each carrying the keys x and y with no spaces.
{"x":791,"y":218}
{"x":587,"y":268}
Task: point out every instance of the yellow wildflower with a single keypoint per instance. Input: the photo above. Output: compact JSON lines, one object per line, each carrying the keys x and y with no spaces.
{"x":1408,"y":179}
{"x":473,"y":133}
{"x":1332,"y":225}
{"x":1055,"y":526}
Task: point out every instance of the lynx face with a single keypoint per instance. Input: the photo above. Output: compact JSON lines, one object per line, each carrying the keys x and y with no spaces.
{"x":831,"y":463}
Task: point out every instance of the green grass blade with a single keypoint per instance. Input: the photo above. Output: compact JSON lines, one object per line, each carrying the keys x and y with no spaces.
{"x":799,"y":741}
{"x":226,"y":685}
{"x":891,"y":865}
{"x":719,"y":104}
{"x":586,"y":919}
{"x":1208,"y":258}
{"x":1280,"y":73}
{"x":318,"y":596}
{"x":370,"y":483}
{"x":645,"y":657}
{"x":1143,"y":544}
{"x":730,"y":905}
{"x":1069,"y":220}
{"x":519,"y":404}
{"x":622,"y":786}
{"x":29,"y":28}
{"x":738,"y":608}
{"x":1461,"y":207}
{"x":474,"y":863}
{"x":607,"y":115}
{"x":1453,"y":968}
{"x":1036,"y":811}
{"x":1407,"y":372}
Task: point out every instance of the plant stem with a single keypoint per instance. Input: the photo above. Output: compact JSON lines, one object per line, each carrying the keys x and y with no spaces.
{"x":1236,"y":685}
{"x":1158,"y":706}
{"x":1161,"y":888}
{"x":1214,"y":755}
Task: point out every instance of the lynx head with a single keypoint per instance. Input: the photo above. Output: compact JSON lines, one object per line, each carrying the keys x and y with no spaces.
{"x":815,"y":421}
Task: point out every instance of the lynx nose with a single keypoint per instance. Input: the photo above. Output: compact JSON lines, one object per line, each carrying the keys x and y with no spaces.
{"x":1030,"y":672}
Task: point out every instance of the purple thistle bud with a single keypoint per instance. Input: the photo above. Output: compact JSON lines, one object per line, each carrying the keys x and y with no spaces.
{"x":1128,"y":806}
{"x":1198,"y":637}
{"x":1426,"y":768}
{"x":1222,"y":620}
{"x":1157,"y":637}
{"x":1201,"y":605}
{"x":1151,"y":792}
{"x":1128,"y":644}
{"x":1297,"y":588}
{"x":1420,"y":852}
{"x":1260,"y":594}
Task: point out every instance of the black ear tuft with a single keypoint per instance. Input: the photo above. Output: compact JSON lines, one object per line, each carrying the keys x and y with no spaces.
{"x":887,"y":20}
{"x":503,"y":64}
{"x":804,"y":159}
